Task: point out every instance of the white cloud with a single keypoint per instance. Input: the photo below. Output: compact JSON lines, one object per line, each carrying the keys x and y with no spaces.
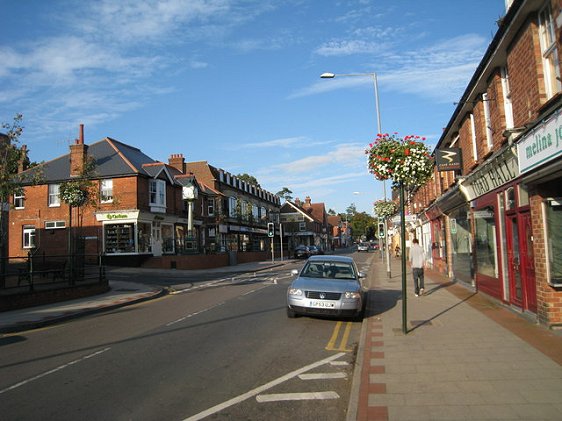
{"x":348,"y":155}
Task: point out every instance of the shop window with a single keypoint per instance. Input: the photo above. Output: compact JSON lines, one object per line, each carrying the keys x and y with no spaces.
{"x":119,"y":238}
{"x":167,"y":238}
{"x":554,"y":240}
{"x":144,"y":231}
{"x":510,"y":198}
{"x":28,"y":237}
{"x":523,"y":195}
{"x":485,"y":242}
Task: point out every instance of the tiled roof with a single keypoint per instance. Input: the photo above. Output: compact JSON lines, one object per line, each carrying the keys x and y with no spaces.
{"x":112,"y":157}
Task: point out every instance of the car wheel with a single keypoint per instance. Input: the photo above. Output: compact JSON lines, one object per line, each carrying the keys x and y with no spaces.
{"x":291,"y":313}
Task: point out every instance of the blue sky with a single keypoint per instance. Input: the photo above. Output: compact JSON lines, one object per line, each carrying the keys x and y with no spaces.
{"x":237,"y":82}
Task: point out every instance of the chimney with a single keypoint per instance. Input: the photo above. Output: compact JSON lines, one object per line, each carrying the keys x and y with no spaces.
{"x":78,"y":153}
{"x":307,"y":202}
{"x":297,"y":202}
{"x":177,"y":161}
{"x":22,"y":163}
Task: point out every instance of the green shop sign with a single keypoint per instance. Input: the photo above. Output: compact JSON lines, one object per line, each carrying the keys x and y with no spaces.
{"x":542,"y":145}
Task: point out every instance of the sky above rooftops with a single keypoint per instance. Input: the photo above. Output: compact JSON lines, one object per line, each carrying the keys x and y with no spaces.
{"x":237,"y":83}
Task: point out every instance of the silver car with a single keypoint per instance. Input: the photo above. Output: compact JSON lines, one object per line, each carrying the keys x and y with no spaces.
{"x":327,"y":285}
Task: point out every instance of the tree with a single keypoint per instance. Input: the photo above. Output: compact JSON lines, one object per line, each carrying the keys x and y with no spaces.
{"x":250,"y":179}
{"x":332,"y":212}
{"x":351,"y":209}
{"x":285,"y":193}
{"x":11,"y":157}
{"x":362,"y":224}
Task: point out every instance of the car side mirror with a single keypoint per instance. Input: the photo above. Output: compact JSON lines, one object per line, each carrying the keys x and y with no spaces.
{"x":294,"y":272}
{"x":361,"y":275}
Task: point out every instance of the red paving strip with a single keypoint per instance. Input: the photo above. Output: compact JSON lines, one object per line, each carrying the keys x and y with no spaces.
{"x":544,"y":340}
{"x":377,"y":413}
{"x":364,"y":411}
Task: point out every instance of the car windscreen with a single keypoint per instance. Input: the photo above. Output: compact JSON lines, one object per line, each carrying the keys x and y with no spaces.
{"x":330,"y":270}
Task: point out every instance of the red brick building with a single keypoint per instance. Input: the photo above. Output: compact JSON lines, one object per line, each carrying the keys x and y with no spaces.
{"x":495,"y":223}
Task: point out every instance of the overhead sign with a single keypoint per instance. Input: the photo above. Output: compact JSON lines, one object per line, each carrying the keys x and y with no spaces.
{"x":542,"y":145}
{"x":498,"y":171}
{"x":448,"y":159}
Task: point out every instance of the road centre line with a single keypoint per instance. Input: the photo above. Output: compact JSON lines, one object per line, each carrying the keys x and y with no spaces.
{"x":54,"y":370}
{"x":181,"y":319}
{"x":263,"y":388}
{"x":297,"y":396}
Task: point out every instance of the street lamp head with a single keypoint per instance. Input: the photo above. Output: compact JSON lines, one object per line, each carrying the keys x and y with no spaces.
{"x":327,"y":75}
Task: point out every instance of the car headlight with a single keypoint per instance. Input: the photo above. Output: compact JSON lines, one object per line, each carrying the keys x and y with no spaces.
{"x":352,"y":295}
{"x":295,"y":291}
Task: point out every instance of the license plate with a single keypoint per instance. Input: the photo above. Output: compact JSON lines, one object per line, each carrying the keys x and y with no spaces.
{"x":322,"y":304}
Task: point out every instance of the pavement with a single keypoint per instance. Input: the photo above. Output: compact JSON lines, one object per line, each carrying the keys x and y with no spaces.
{"x":451,"y":354}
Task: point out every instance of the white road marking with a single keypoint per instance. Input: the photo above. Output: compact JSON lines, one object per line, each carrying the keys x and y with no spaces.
{"x":336,"y":363}
{"x":181,"y":319}
{"x":322,"y":376}
{"x":297,"y":396}
{"x":263,"y":388}
{"x":54,"y":370}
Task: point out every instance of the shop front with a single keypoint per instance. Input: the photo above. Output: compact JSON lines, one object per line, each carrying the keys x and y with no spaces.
{"x":136,"y":232}
{"x":503,"y":253}
{"x":539,"y":153}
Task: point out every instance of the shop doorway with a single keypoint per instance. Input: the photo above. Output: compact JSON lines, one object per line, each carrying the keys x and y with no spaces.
{"x":521,"y":262}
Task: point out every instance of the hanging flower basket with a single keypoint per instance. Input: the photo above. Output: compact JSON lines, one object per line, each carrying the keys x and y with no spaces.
{"x":385,"y":208}
{"x":404,"y":160}
{"x":73,"y":193}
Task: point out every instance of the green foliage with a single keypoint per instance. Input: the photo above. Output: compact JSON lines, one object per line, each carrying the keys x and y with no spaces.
{"x":285,"y":193}
{"x":80,"y":191}
{"x":250,"y":179}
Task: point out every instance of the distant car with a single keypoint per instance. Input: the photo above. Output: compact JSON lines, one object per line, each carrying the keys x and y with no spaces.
{"x":315,"y":250}
{"x":327,"y":285}
{"x":363,"y":247}
{"x":374,"y":246}
{"x":301,"y":252}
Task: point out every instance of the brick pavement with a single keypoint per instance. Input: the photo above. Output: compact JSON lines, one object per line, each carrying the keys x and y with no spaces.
{"x":465,"y":357}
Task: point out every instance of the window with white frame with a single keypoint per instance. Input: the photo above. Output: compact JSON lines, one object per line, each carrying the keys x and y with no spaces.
{"x":19,"y":200}
{"x":51,"y":225}
{"x":302,"y":226}
{"x":158,"y":193}
{"x":487,"y":120}
{"x":54,"y":196}
{"x":28,"y":237}
{"x":106,"y":191}
{"x":473,"y":135}
{"x":232,"y":211}
{"x":551,"y":67}
{"x":211,"y":206}
{"x":507,"y":106}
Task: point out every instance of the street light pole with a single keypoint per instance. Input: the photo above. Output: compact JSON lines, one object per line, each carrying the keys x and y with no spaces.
{"x":373,"y":75}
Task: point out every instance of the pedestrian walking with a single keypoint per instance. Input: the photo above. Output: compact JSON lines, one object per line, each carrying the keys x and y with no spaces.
{"x":417,"y":262}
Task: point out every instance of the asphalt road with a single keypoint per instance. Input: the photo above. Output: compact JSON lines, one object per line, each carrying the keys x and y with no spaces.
{"x":218,"y":349}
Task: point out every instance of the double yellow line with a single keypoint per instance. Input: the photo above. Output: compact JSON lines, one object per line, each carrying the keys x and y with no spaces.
{"x":345,"y":337}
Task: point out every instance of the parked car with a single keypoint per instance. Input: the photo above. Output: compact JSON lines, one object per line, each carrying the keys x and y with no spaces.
{"x":373,"y":246}
{"x":315,"y":250}
{"x":327,"y":285}
{"x":363,"y":247}
{"x":301,"y":252}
